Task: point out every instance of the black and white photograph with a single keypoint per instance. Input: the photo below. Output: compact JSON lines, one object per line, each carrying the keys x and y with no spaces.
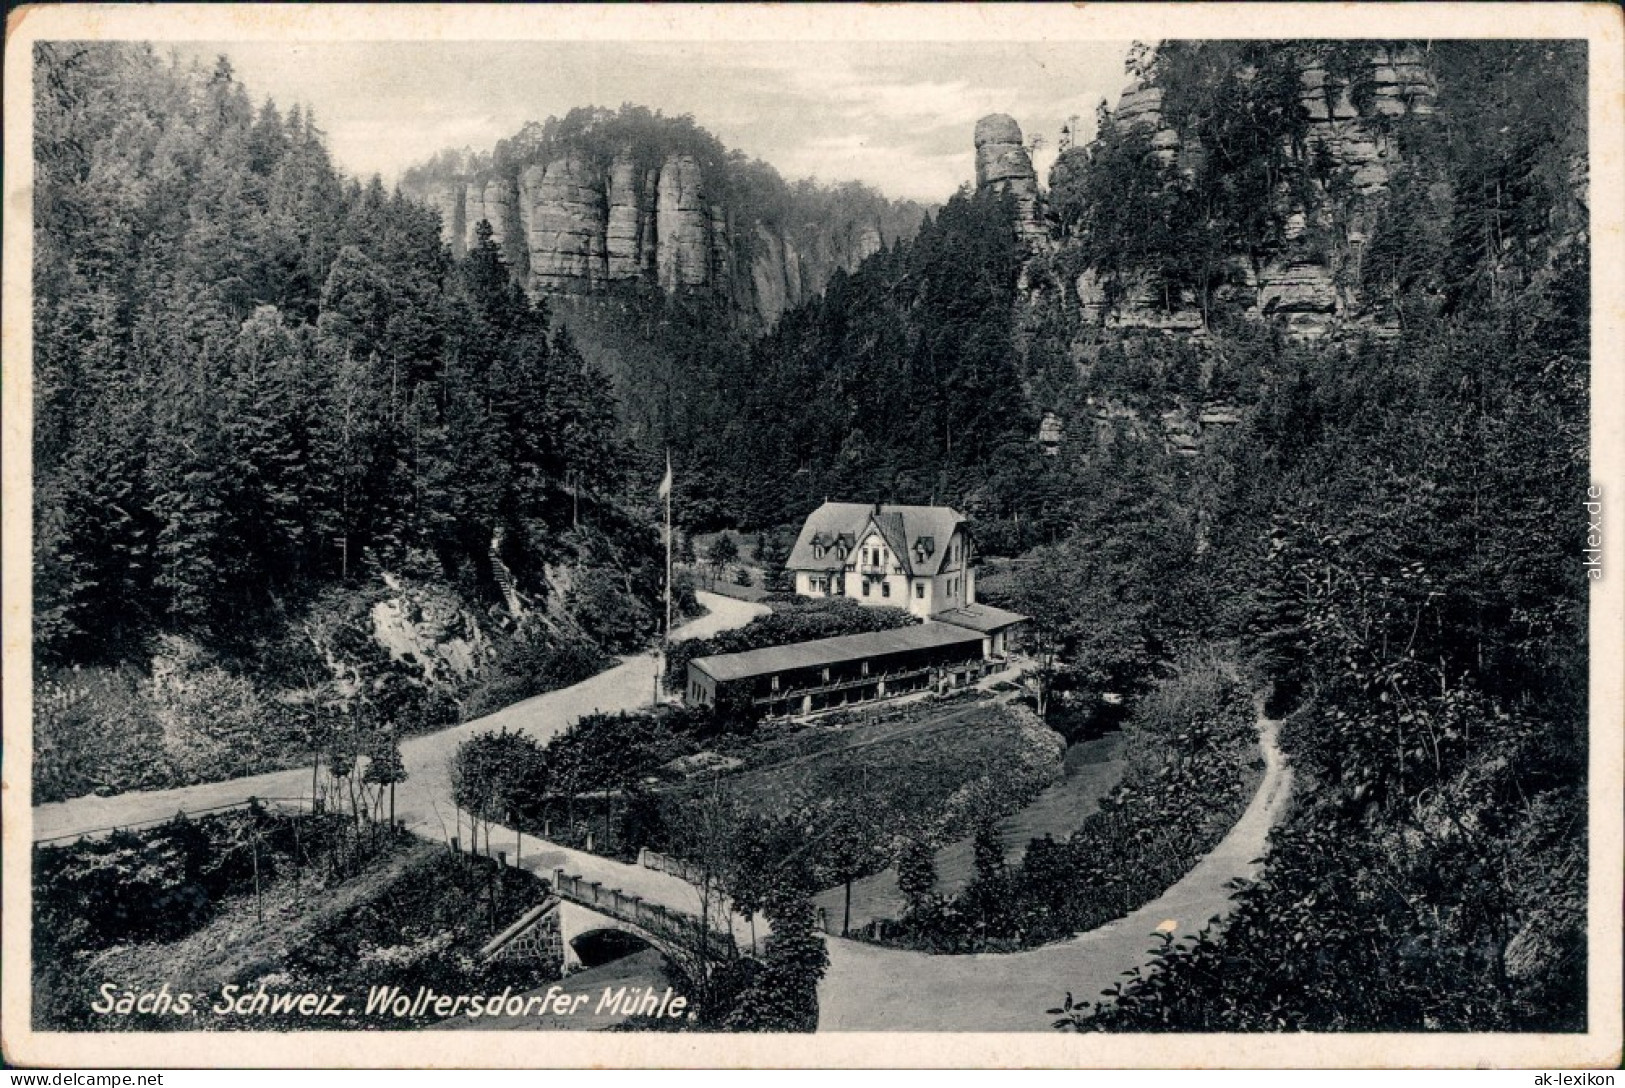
{"x":532,"y":531}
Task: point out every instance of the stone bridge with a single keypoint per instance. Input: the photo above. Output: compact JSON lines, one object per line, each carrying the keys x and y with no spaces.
{"x":580,"y":910}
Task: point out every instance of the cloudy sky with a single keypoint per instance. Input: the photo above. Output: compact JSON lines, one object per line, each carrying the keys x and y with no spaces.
{"x":895,"y":115}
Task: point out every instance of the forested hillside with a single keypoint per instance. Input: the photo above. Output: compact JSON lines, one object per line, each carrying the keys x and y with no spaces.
{"x":662,"y":251}
{"x":1393,"y":534}
{"x":267,"y":405}
{"x":1288,"y":368}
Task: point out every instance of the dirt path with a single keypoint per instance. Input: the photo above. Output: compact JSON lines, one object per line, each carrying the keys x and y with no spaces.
{"x":423,"y":800}
{"x":869,"y":988}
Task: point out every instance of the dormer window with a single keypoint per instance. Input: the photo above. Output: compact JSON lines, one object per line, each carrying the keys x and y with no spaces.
{"x":818,"y":551}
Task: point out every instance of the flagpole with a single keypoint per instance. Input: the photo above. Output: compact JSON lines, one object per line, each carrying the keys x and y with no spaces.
{"x":665,"y":635}
{"x":670,"y":482}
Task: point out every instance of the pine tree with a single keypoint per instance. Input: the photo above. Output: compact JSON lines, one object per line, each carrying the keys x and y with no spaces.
{"x":917,"y":874}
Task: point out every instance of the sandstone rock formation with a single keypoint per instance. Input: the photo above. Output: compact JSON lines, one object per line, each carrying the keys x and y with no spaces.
{"x":624,"y":233}
{"x":1305,"y":285}
{"x":574,"y":222}
{"x":491,"y":202}
{"x":566,"y":224}
{"x":683,"y":226}
{"x":1003,"y":165}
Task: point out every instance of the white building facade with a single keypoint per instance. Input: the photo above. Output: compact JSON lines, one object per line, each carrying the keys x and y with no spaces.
{"x":917,"y":558}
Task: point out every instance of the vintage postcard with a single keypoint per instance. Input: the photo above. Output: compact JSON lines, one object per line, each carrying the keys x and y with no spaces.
{"x":745,"y":535}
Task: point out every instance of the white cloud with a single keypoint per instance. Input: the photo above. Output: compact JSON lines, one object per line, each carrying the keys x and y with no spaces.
{"x":898,"y":116}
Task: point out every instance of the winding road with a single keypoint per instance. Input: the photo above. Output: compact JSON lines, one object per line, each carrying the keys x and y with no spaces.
{"x":869,"y":988}
{"x":423,"y":800}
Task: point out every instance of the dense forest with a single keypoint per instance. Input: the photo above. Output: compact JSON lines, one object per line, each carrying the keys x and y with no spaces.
{"x":664,"y":252}
{"x":1386,"y":525}
{"x":259,"y":383}
{"x":1391,"y":534}
{"x":1399,"y":533}
{"x":266,"y":402}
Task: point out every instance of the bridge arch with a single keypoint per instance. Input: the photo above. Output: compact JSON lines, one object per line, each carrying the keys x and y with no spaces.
{"x":596,"y":947}
{"x":583,"y":932}
{"x":587,"y":907}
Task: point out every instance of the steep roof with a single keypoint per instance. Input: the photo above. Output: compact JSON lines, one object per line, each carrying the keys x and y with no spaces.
{"x":895,"y":534}
{"x":830,"y":651}
{"x":980,"y":617}
{"x":902,"y":527}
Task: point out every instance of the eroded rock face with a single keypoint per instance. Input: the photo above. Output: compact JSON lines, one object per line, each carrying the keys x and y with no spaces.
{"x":770,"y":274}
{"x":683,"y":225}
{"x":574,"y":217}
{"x":530,"y":183}
{"x":567,"y":224}
{"x":1140,"y":106}
{"x":1000,"y":154}
{"x":624,"y":231}
{"x":869,"y":243}
{"x":1302,"y":293}
{"x":491,"y":202}
{"x":1150,"y":307}
{"x":1301,"y":286}
{"x":1003,"y":165}
{"x":1091,"y":295}
{"x":585,"y":227}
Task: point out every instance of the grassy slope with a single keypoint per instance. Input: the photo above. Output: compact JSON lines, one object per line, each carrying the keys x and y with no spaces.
{"x":237,"y":944}
{"x":299,"y":925}
{"x":1092,"y":769}
{"x":913,"y":763}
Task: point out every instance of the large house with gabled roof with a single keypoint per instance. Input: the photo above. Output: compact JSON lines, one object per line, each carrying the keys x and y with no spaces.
{"x":916,"y":558}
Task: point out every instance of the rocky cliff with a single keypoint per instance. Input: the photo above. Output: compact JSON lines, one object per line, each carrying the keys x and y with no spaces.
{"x":1320,"y":133}
{"x":1004,"y":165}
{"x":1345,"y":111}
{"x":1310,"y":284}
{"x":604,"y":198}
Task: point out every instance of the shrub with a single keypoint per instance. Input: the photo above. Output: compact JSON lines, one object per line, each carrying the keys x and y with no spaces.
{"x":683,"y":601}
{"x":603,"y":604}
{"x":1193,"y":737}
{"x":531,"y":662}
{"x":95,"y":732}
{"x":420,"y":924}
{"x":492,"y":695}
{"x":214,"y":723}
{"x":158,"y":884}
